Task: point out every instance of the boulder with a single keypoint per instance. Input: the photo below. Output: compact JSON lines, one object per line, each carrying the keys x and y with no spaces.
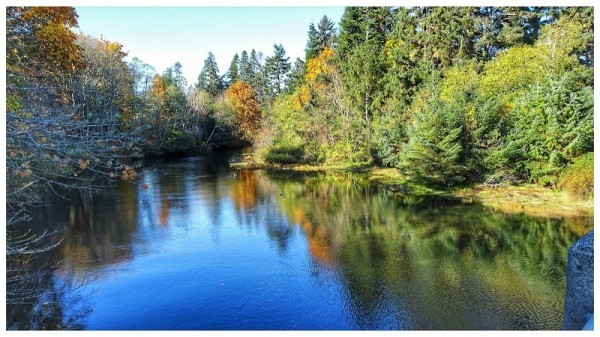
{"x":579,"y":297}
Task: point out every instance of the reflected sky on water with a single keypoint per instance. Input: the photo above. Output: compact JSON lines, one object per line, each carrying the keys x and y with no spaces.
{"x":206,"y":247}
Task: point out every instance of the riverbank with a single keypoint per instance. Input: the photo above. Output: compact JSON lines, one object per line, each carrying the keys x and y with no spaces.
{"x":526,"y":199}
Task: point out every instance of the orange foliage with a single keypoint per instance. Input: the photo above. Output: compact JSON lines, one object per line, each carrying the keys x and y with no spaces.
{"x":318,"y":68}
{"x":128,"y":173}
{"x":243,"y":191}
{"x":54,"y":41}
{"x":240,"y":97}
{"x":158,"y":88}
{"x":158,"y":92}
{"x":318,"y":239}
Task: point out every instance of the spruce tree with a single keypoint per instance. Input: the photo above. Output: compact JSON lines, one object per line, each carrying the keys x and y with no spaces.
{"x":319,"y":38}
{"x":276,"y":70}
{"x":209,"y":78}
{"x":434,"y":153}
{"x":233,"y":72}
{"x":296,"y":76}
{"x":360,"y":46}
{"x":245,"y":68}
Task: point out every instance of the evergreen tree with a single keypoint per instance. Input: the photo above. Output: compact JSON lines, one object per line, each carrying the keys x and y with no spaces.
{"x":434,"y":153}
{"x":245,"y":68}
{"x":362,"y":37}
{"x":177,"y":76}
{"x":319,"y":38}
{"x":312,"y":46}
{"x":276,"y":70}
{"x":233,"y":72}
{"x":209,"y":78}
{"x":258,"y":79}
{"x":255,"y":62}
{"x":174,"y":86}
{"x":296,"y":76}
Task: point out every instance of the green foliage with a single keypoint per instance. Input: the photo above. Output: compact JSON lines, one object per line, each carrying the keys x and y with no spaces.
{"x":276,"y":71}
{"x":434,"y":153}
{"x":285,"y":153}
{"x":512,"y":71}
{"x":578,"y":178}
{"x":245,"y":68}
{"x":478,"y":94}
{"x":12,"y":103}
{"x":320,"y":37}
{"x":360,"y":49}
{"x":209,"y":78}
{"x":233,"y":74}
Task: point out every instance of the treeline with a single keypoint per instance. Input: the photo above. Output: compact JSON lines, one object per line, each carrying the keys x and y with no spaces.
{"x":448,"y":95}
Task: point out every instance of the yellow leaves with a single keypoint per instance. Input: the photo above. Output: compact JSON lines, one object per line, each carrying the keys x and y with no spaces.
{"x":22,"y":174}
{"x":128,"y":174}
{"x":513,"y":70}
{"x":83,"y":164}
{"x":391,"y":45}
{"x":62,"y":15}
{"x":319,"y":65}
{"x":12,"y":103}
{"x":159,"y":88}
{"x":562,"y":38}
{"x":301,"y":98}
{"x":23,"y":171}
{"x":240,"y":96}
{"x":458,"y":78}
{"x":54,"y":40}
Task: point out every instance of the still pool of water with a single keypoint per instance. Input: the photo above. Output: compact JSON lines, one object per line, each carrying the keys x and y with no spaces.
{"x":195,"y":245}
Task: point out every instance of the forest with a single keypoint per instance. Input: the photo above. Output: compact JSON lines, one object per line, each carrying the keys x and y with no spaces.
{"x":446,"y":97}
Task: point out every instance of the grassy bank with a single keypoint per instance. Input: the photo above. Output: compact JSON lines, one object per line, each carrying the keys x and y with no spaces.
{"x":526,"y":198}
{"x":360,"y":167}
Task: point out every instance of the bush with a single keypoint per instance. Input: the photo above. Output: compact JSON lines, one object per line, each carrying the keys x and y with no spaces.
{"x":285,"y":154}
{"x":578,"y":179}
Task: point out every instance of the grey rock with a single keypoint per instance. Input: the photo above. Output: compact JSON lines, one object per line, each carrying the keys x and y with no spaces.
{"x":579,"y":297}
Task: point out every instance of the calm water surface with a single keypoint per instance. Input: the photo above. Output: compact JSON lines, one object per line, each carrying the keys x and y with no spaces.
{"x":206,"y":247}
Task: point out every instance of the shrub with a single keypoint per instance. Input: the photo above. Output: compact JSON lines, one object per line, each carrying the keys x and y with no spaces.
{"x":578,"y":179}
{"x":285,"y":154}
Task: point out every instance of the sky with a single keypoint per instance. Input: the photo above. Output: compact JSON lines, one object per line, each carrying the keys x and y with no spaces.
{"x":161,"y":36}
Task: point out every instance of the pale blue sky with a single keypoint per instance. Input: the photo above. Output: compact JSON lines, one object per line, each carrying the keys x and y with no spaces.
{"x":161,"y":36}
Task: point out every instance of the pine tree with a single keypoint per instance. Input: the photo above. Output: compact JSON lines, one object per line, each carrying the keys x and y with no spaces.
{"x":319,"y":38}
{"x":363,"y":32}
{"x":209,"y":78}
{"x":312,"y":46}
{"x":177,"y":76}
{"x":245,"y":68}
{"x":296,"y":76}
{"x":276,"y":70}
{"x":233,"y":74}
{"x":258,"y":79}
{"x":433,"y":155}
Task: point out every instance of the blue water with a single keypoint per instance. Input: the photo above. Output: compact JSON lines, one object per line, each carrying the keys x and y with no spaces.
{"x":196,"y":246}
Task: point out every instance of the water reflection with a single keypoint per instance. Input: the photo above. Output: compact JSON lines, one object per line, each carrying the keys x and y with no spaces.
{"x":362,"y":259}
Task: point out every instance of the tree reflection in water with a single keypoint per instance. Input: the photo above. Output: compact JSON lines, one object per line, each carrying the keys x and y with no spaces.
{"x":397,"y":266}
{"x":432,"y":260}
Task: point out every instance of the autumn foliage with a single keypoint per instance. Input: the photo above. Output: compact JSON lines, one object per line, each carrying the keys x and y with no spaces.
{"x":45,"y":34}
{"x":240,"y":97}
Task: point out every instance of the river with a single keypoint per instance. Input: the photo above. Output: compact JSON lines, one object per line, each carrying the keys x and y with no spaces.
{"x":197,"y":245}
